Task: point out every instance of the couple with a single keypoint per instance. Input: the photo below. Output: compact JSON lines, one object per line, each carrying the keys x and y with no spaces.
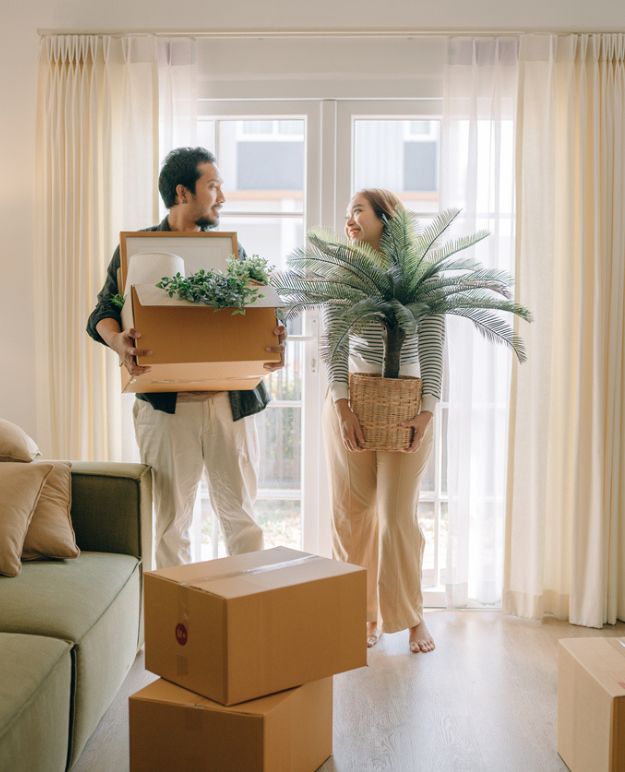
{"x":179,"y":435}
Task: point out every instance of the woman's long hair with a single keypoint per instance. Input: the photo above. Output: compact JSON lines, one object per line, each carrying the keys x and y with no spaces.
{"x":385,"y":203}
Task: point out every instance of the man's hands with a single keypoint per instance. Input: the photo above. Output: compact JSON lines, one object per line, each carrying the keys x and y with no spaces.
{"x":351,"y":431}
{"x":124,"y":343}
{"x":280,"y":331}
{"x":418,"y":424}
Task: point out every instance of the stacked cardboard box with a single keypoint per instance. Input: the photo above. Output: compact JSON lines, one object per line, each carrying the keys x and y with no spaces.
{"x":591,"y":704}
{"x":247,"y":646}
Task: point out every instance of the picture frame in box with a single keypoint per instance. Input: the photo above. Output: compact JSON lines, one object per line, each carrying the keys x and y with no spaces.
{"x":202,"y":249}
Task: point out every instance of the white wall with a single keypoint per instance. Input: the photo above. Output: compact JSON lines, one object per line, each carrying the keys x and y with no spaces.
{"x":18,"y":65}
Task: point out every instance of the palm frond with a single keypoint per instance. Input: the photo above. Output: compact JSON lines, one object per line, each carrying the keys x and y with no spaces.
{"x":410,"y":277}
{"x":480,"y":300}
{"x":494,"y":329}
{"x":434,"y":230}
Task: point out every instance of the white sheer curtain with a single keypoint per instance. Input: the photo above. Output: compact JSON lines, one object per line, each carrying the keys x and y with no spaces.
{"x":566,"y":499}
{"x":477,"y":175}
{"x":178,"y":94}
{"x":98,"y":158}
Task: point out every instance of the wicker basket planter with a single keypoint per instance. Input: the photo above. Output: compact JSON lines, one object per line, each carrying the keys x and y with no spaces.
{"x":381,"y":404}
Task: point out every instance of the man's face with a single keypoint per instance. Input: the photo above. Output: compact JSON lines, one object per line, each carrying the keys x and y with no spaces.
{"x":208,"y":198}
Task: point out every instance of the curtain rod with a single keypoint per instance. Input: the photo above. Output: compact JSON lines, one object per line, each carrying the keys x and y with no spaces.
{"x":325,"y":33}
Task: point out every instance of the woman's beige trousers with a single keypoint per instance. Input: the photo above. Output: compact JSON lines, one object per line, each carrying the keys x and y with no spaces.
{"x":374,"y":508}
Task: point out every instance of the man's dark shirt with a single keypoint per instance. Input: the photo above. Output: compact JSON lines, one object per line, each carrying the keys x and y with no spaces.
{"x":243,"y":403}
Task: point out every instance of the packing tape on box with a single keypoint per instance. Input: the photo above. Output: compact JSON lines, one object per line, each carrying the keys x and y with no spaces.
{"x":182,"y":625}
{"x":251,"y":571}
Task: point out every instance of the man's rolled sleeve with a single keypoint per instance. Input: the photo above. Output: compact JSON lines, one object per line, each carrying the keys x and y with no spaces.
{"x":105,"y":308}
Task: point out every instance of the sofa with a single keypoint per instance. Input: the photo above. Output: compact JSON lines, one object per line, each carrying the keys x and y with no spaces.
{"x":70,"y":629}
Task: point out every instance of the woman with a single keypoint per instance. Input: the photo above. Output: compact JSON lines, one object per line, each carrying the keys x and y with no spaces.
{"x":375,"y":494}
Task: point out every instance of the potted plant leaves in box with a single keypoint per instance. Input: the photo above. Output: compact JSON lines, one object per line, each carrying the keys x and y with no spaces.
{"x":238,"y":287}
{"x":412,"y":275}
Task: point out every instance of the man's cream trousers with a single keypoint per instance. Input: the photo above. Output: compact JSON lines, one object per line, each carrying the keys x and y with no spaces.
{"x":200,"y":435}
{"x":374,"y":508}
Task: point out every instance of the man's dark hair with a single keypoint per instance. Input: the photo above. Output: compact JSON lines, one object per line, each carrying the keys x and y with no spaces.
{"x":180,"y":168}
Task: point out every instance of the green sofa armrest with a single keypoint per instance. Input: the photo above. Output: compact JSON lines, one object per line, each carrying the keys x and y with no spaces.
{"x":112,"y":507}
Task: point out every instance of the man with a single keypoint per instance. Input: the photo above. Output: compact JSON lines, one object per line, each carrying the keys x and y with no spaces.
{"x":180,"y":435}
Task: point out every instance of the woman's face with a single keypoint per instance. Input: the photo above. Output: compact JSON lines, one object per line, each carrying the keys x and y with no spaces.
{"x":362,"y":223}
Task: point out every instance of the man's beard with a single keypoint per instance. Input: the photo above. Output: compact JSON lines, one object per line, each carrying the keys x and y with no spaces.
{"x":207,"y":222}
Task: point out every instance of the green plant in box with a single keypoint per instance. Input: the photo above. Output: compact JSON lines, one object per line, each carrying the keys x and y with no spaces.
{"x":236,"y":288}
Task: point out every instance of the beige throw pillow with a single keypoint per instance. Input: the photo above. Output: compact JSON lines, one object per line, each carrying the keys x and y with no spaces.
{"x":20,"y":488}
{"x":50,"y":533}
{"x":15,"y":444}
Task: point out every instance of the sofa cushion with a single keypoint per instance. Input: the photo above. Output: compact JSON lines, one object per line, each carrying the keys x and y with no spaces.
{"x":63,"y":599}
{"x":15,"y":444}
{"x":93,"y":602}
{"x":35,"y":697}
{"x":50,"y":533}
{"x":20,"y":488}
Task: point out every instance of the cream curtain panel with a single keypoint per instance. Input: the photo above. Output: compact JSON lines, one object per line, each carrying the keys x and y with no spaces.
{"x":477,"y":175}
{"x":97,"y":158}
{"x":566,"y":505}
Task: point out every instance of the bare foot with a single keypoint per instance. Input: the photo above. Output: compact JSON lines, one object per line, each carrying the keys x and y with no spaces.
{"x":420,"y":640}
{"x":374,"y":633}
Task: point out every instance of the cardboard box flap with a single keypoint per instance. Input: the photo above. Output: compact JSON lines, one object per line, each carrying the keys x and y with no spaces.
{"x":256,"y":572}
{"x":603,"y":659}
{"x":151,"y":295}
{"x":163,"y":691}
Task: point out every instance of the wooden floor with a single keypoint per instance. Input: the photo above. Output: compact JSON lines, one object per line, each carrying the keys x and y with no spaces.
{"x":484,"y":700}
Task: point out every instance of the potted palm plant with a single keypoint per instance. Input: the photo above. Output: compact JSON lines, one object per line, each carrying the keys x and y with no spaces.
{"x":412,"y":275}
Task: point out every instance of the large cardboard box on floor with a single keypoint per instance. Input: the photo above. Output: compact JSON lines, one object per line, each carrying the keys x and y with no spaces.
{"x":172,"y":729}
{"x":195,"y":347}
{"x":591,"y":704}
{"x":249,"y":625}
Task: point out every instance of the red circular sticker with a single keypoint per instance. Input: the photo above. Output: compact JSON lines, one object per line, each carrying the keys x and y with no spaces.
{"x":181,"y":634}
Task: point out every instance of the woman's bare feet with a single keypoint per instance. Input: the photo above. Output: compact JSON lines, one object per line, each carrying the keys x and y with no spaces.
{"x":374,"y":633}
{"x":420,"y":640}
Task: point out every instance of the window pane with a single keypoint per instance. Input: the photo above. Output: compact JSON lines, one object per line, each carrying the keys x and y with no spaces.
{"x":443,"y":528}
{"x":286,"y":384}
{"x":443,"y":418}
{"x":272,"y":238}
{"x":399,"y":155}
{"x":281,"y":522}
{"x":262,"y":164}
{"x":279,"y":436}
{"x":427,"y":524}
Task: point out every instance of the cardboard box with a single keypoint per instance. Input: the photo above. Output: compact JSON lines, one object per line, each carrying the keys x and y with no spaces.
{"x":195,"y":347}
{"x":591,"y":704}
{"x":172,"y":729}
{"x":249,"y":625}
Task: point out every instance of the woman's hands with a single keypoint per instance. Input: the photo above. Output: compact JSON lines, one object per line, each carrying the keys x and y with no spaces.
{"x":354,"y":439}
{"x":418,"y":424}
{"x":351,"y":431}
